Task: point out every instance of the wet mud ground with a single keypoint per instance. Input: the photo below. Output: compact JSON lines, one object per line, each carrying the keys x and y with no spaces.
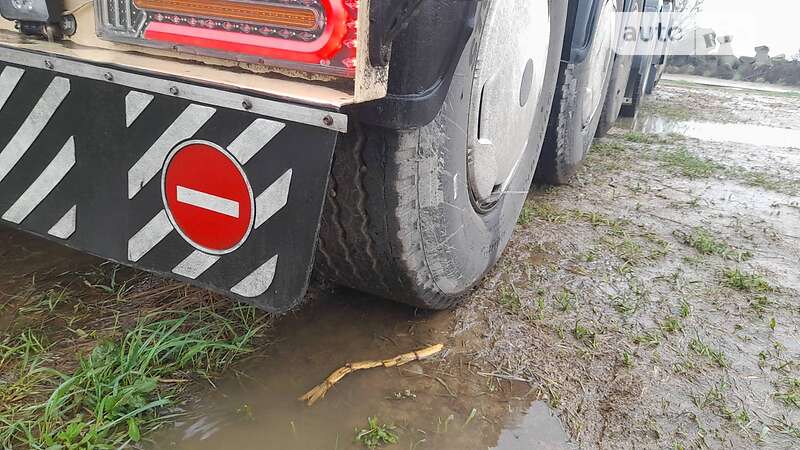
{"x":651,"y":304}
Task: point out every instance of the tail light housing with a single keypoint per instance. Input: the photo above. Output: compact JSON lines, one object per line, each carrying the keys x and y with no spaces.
{"x":311,"y":35}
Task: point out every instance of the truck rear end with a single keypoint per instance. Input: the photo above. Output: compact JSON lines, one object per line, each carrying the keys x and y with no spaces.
{"x":192,"y":139}
{"x":234,"y":144}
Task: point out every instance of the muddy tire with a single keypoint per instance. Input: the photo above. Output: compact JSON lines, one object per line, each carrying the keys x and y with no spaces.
{"x":637,"y":85}
{"x":576,"y":115}
{"x":400,"y":220}
{"x":616,"y":90}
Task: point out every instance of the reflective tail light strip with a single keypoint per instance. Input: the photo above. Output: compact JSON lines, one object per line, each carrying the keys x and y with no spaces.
{"x":318,"y":51}
{"x":297,"y":16}
{"x":313,"y":35}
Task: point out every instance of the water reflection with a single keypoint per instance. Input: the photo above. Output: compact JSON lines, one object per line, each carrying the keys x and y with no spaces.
{"x":539,"y":429}
{"x":440,"y":404}
{"x":720,"y":132}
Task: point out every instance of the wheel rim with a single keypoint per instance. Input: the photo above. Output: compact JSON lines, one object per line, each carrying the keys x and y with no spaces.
{"x":508,"y":82}
{"x":599,"y":60}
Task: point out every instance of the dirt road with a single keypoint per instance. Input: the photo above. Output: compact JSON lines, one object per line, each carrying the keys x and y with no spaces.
{"x":652,"y":304}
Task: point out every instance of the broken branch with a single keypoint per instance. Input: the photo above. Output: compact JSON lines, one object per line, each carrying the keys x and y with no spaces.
{"x":321,"y":389}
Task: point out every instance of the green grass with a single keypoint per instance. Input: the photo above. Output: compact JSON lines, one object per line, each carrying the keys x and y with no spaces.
{"x":759,"y":304}
{"x":683,"y":162}
{"x":607,"y":148}
{"x":761,"y":92}
{"x":376,"y":435}
{"x":764,"y":180}
{"x":685,"y":309}
{"x":549,"y":213}
{"x":526,"y":215}
{"x":627,"y":359}
{"x":668,"y":110}
{"x":626,"y":305}
{"x":706,"y":244}
{"x":790,"y":394}
{"x":671,"y":325}
{"x":585,"y":335}
{"x":638,"y":137}
{"x":714,"y":397}
{"x":648,"y":339}
{"x":509,"y":299}
{"x":565,"y":300}
{"x":743,"y":281}
{"x":701,"y":348}
{"x":115,"y":394}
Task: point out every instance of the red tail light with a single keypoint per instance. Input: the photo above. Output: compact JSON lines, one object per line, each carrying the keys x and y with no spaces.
{"x":314,"y":35}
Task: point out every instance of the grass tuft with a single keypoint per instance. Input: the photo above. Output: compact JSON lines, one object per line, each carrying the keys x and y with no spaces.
{"x":683,"y":162}
{"x":116,"y":393}
{"x":376,"y":435}
{"x":790,"y":395}
{"x":671,"y":325}
{"x":645,"y":138}
{"x":526,"y":215}
{"x":585,"y":335}
{"x":510,"y":299}
{"x":701,"y":348}
{"x":706,"y":244}
{"x":736,"y":279}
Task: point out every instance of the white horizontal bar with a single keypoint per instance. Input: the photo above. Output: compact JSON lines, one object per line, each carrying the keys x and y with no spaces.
{"x":208,"y":201}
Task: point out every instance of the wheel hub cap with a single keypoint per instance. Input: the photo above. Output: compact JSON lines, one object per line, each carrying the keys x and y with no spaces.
{"x":508,"y":82}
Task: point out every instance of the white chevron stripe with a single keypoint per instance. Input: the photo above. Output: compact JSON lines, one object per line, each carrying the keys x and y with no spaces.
{"x":65,"y":227}
{"x":257,"y":282}
{"x":195,"y":264}
{"x":149,"y":236}
{"x":273,"y":199}
{"x":254,"y":138}
{"x":135,"y":104}
{"x":8,"y":82}
{"x":184,"y":127}
{"x":44,"y":184}
{"x":33,"y":125}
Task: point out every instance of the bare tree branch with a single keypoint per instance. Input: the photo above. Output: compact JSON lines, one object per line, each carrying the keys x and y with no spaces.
{"x":688,"y":6}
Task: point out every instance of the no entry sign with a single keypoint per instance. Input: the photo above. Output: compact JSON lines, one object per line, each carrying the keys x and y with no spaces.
{"x":208,"y":197}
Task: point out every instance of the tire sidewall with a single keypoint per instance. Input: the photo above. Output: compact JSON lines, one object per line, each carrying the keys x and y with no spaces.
{"x":461,"y":244}
{"x":579,"y":137}
{"x":620,"y":75}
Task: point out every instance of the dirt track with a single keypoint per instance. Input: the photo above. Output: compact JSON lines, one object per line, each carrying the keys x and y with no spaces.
{"x":652,"y":304}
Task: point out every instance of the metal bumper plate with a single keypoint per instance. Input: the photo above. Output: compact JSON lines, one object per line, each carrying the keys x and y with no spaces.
{"x":82,"y":148}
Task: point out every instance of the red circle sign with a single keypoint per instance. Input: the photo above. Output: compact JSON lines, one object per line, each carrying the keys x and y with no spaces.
{"x":208,"y":197}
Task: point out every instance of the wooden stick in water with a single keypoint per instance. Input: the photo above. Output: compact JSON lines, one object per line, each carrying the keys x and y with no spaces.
{"x":321,"y":389}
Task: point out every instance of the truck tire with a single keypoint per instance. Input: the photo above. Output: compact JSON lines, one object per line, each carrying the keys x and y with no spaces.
{"x":656,"y":71}
{"x":638,"y":83}
{"x":616,"y":92}
{"x":405,"y":216}
{"x":580,"y":95}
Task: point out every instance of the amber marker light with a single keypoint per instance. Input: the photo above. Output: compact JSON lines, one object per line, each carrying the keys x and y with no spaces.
{"x":261,"y":13}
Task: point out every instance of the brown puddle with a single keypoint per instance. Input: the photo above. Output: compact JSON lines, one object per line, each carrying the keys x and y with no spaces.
{"x":430,"y":403}
{"x":446,"y":402}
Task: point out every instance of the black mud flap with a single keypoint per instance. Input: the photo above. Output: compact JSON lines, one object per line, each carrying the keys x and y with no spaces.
{"x":218,"y":188}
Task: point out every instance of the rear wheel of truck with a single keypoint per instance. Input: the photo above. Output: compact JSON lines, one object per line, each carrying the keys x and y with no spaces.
{"x":580,"y":95}
{"x":637,"y":83}
{"x":420,"y":215}
{"x":620,"y":74}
